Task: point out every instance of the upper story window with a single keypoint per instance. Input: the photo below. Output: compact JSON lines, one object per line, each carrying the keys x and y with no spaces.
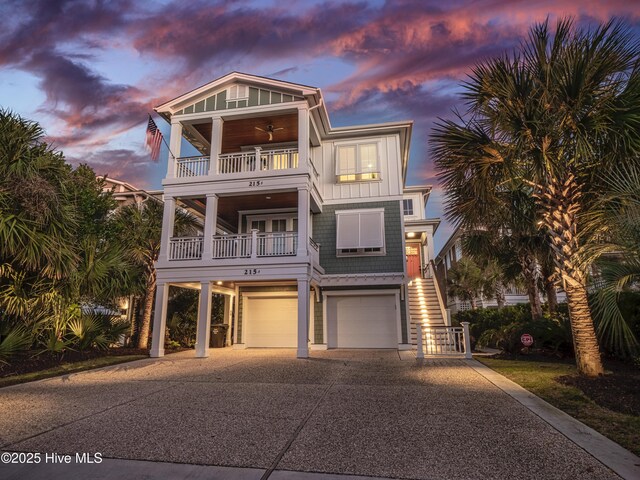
{"x":237,"y":92}
{"x":360,"y":232}
{"x":357,"y":163}
{"x":407,"y":206}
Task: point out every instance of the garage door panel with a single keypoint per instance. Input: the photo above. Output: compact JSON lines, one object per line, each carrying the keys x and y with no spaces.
{"x":272,"y":322}
{"x":364,"y":321}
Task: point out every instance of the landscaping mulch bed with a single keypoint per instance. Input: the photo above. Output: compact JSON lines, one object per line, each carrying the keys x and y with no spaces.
{"x":617,"y":390}
{"x":29,"y":362}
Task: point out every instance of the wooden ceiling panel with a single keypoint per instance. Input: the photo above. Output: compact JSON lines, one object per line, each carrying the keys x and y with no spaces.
{"x":241,"y":133}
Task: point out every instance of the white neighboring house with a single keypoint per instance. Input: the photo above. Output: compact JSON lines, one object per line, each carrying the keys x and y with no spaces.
{"x":304,"y":223}
{"x":449,"y":255}
{"x":126,"y":194}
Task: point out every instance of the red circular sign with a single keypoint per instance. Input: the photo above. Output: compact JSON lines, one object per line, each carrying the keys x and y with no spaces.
{"x":526,"y":339}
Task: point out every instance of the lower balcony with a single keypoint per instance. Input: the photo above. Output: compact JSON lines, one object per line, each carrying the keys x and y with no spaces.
{"x":249,"y":245}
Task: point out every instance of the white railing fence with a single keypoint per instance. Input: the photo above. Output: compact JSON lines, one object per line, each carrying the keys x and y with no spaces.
{"x":185,"y":248}
{"x":277,"y":244}
{"x":258,"y":160}
{"x":449,"y":341}
{"x":231,"y":246}
{"x":192,"y":166}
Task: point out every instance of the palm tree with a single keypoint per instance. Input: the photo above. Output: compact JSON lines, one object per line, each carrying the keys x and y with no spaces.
{"x":140,"y":229}
{"x":467,"y":281}
{"x":555,"y":116}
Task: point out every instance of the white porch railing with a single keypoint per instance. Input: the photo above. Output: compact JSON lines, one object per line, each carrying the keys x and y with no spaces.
{"x":277,"y":244}
{"x":449,"y":341}
{"x":185,"y":248}
{"x":192,"y":166}
{"x":258,"y":160}
{"x":231,"y":246}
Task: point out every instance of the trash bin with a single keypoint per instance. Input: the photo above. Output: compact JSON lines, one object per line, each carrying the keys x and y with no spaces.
{"x":218,"y":337}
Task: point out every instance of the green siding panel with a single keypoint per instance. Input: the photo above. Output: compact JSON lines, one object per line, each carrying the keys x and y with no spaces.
{"x":189,"y":109}
{"x":403,"y":319}
{"x":199,"y":106}
{"x":253,"y":96}
{"x":287,"y":98}
{"x":264,"y":97}
{"x":210,"y":103}
{"x":324,"y":233}
{"x":221,"y":100}
{"x":276,"y":97}
{"x":242,"y":103}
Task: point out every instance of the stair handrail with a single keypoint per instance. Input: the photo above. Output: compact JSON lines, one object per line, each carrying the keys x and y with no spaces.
{"x":436,"y":284}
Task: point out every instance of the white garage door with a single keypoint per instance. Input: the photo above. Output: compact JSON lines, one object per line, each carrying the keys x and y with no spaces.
{"x":271,"y":322}
{"x":366,"y":321}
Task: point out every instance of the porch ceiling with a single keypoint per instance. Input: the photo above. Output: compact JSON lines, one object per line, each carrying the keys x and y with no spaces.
{"x":228,"y":207}
{"x":243,"y":132}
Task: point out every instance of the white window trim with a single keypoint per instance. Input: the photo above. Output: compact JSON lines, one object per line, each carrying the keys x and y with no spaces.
{"x":358,"y":144}
{"x":361,"y":251}
{"x":238,"y":98}
{"x":412,"y":214}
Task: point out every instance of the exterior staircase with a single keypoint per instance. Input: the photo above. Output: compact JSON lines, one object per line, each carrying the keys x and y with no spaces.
{"x":424,"y":306}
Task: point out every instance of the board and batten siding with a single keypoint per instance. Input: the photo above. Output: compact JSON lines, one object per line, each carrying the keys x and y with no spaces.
{"x":389,"y":185}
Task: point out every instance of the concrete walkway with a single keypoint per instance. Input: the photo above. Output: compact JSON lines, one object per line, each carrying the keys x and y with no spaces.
{"x":366,"y":413}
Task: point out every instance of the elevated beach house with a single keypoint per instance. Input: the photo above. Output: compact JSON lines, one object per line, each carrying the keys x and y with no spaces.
{"x":309,"y":231}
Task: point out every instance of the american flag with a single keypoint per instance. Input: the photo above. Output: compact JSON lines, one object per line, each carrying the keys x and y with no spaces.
{"x":154,"y":139}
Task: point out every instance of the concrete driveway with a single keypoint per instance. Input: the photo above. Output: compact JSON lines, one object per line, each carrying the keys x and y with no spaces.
{"x":370,"y":413}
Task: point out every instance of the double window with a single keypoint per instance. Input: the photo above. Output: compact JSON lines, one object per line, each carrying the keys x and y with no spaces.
{"x":237,"y":92}
{"x":407,"y":206}
{"x":360,"y":232}
{"x":357,"y":162}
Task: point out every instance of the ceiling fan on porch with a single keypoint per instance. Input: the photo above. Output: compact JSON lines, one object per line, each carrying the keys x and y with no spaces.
{"x":269,"y":131}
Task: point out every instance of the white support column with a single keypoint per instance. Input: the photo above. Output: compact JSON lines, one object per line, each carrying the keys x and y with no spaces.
{"x":303,"y":318}
{"x":210,"y":221}
{"x":168,"y":220}
{"x":216,"y":144}
{"x":303,"y":221}
{"x":227,"y":316}
{"x":430,"y":251}
{"x":159,"y":320}
{"x":467,"y":340}
{"x":174,"y":146}
{"x":303,"y":138}
{"x":254,"y":243}
{"x":204,"y":321}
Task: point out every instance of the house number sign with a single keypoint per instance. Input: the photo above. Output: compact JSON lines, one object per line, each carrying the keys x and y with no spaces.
{"x":256,"y":183}
{"x":251,"y":271}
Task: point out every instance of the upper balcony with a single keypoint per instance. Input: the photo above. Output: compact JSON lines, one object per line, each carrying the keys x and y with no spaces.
{"x":260,"y":144}
{"x":248,"y":162}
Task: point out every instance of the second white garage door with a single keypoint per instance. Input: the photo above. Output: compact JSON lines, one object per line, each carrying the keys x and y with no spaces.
{"x":363,"y":321}
{"x":271,"y":322}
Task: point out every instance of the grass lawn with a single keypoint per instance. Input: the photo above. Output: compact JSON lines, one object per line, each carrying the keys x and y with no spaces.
{"x":66,"y":368}
{"x":539,"y":377}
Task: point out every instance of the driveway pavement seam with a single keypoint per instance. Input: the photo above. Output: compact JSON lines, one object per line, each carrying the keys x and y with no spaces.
{"x":293,"y":438}
{"x":92,"y":414}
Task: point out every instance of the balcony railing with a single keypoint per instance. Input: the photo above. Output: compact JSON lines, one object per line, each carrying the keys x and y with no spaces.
{"x":258,"y":160}
{"x":192,"y":166}
{"x":185,"y":248}
{"x":246,"y":245}
{"x":231,"y":246}
{"x":277,"y":244}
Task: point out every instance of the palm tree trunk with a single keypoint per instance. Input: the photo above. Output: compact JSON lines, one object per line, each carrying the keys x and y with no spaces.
{"x":500,"y":297}
{"x":561,"y":204}
{"x":145,"y":327}
{"x":585,"y":341}
{"x":552,"y":295}
{"x":474,"y":302}
{"x":530,"y":272}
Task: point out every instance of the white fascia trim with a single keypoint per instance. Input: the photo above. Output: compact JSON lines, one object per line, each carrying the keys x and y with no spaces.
{"x":274,"y":294}
{"x":360,"y":279}
{"x":358,"y":293}
{"x":360,"y":210}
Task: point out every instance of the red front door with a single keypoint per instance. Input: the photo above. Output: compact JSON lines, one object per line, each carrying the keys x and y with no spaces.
{"x":413,"y":261}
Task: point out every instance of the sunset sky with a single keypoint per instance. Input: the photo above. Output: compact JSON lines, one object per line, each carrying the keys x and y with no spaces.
{"x":90,"y":71}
